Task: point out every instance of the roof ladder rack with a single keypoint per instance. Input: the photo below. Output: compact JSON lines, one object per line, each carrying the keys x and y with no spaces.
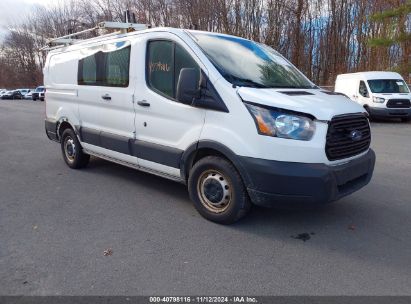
{"x":121,"y":27}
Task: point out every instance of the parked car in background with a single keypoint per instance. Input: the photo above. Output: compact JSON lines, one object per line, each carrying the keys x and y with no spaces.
{"x":29,"y":95}
{"x":16,"y":94}
{"x":2,"y":92}
{"x":36,"y":94}
{"x":42,"y":95}
{"x":24,"y":92}
{"x":382,"y":94}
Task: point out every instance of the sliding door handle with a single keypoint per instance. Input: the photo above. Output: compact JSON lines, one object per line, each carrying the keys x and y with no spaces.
{"x":106,"y":97}
{"x":143,"y":103}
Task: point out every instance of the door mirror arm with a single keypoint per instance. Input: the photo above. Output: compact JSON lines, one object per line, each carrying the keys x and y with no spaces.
{"x":208,"y":97}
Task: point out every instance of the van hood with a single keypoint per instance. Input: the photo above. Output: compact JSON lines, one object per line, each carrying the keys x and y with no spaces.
{"x":316,"y":102}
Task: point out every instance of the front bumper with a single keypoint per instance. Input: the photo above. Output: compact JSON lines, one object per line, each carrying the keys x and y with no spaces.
{"x":389,"y":112}
{"x":274,"y":183}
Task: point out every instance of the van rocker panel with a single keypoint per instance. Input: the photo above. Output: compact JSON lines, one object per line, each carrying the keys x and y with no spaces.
{"x":167,"y":156}
{"x":164,"y":155}
{"x":284,"y":184}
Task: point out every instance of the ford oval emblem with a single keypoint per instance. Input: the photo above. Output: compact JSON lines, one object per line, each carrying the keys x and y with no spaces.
{"x":356,"y":135}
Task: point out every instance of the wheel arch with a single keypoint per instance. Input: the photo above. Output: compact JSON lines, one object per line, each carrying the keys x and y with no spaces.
{"x":62,"y":124}
{"x":205,"y":148}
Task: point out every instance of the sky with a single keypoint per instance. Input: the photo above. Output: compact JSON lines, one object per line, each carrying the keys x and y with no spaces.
{"x":12,"y":11}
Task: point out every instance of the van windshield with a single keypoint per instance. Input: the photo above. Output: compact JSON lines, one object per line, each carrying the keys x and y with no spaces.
{"x":388,"y":86}
{"x":247,"y":63}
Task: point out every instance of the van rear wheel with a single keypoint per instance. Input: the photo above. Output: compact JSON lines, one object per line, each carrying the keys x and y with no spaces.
{"x":217,"y":190}
{"x":72,"y":151}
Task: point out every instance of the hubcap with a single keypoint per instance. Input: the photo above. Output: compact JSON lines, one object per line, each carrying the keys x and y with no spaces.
{"x":214,"y":190}
{"x":70,"y":149}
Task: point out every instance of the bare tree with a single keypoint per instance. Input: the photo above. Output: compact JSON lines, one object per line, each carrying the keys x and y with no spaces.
{"x":321,"y":37}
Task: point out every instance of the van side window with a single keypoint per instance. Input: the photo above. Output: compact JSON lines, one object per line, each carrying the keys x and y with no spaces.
{"x":165,"y":59}
{"x":88,"y":71}
{"x":111,"y":69}
{"x":117,"y":68}
{"x":184,"y":60}
{"x":363,"y":89}
{"x":161,"y":67}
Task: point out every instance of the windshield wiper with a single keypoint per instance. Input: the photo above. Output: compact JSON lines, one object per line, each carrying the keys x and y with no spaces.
{"x":291,"y":87}
{"x":243,"y":82}
{"x":250,"y":83}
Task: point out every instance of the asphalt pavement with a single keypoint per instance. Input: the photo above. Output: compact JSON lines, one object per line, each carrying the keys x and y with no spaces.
{"x":111,"y":230}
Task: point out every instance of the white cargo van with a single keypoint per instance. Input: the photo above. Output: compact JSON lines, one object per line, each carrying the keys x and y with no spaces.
{"x":229,"y":117}
{"x":382,"y":94}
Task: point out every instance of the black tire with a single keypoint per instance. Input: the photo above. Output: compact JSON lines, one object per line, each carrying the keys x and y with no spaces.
{"x":72,"y":151}
{"x":217,"y":190}
{"x":406,"y":119}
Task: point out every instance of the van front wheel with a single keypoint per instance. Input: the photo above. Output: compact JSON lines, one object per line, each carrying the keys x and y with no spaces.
{"x":72,"y":152}
{"x":217,"y":190}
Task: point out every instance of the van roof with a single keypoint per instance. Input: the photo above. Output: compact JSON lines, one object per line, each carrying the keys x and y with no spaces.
{"x":371,"y":75}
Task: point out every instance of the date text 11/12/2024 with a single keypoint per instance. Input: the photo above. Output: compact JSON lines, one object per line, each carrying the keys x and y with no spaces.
{"x":203,"y":299}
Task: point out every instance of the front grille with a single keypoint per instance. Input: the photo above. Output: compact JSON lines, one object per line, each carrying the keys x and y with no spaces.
{"x":347,"y":135}
{"x":399,"y":103}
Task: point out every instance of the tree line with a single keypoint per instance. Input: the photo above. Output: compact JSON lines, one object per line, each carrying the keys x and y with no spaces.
{"x":322,"y":38}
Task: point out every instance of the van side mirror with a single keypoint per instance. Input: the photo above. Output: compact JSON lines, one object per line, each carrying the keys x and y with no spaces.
{"x":187,"y":86}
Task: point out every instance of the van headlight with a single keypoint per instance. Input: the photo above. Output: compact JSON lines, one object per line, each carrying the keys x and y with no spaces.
{"x":378,"y":100}
{"x":280,"y":123}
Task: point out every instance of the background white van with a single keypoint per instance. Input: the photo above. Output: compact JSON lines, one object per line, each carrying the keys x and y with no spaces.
{"x":382,"y":94}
